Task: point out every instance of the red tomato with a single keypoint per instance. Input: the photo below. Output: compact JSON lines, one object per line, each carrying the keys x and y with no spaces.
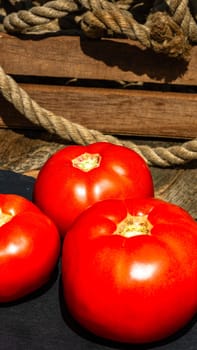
{"x":129,"y":269}
{"x":29,"y":247}
{"x":76,"y":177}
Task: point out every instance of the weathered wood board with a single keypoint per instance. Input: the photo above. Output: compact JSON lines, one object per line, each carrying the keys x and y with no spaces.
{"x":106,"y":59}
{"x":161,"y":100}
{"x":112,"y":111}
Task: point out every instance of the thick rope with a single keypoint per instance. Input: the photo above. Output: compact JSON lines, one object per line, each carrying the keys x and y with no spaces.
{"x":169,"y":27}
{"x":159,"y":156}
{"x":37,"y":16}
{"x":181,"y":14}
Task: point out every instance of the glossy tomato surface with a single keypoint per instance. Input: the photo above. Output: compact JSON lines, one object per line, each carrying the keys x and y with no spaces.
{"x":129,"y":269}
{"x":29,"y":247}
{"x":76,"y":177}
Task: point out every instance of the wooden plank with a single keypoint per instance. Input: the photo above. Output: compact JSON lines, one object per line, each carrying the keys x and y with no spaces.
{"x":115,"y":111}
{"x":108,"y":59}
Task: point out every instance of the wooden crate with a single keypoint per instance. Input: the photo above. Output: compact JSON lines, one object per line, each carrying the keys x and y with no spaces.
{"x":112,"y":85}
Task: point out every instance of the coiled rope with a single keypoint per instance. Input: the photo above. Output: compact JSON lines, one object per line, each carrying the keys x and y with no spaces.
{"x":97,"y":17}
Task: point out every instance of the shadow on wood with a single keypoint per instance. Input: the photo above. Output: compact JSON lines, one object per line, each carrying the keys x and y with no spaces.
{"x":129,"y":57}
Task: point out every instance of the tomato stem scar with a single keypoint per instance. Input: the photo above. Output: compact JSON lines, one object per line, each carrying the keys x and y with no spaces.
{"x":133,"y":226}
{"x":4,"y":218}
{"x":87,"y":161}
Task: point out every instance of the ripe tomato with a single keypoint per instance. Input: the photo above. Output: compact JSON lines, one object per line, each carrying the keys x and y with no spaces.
{"x":76,"y":177}
{"x":29,"y":247}
{"x":129,"y":269}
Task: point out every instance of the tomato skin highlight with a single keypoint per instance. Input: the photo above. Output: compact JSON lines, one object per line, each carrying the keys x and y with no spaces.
{"x":62,"y":190}
{"x":29,"y":248}
{"x":136,"y":289}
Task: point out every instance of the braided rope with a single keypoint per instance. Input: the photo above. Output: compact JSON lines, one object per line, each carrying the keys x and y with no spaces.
{"x":159,"y":156}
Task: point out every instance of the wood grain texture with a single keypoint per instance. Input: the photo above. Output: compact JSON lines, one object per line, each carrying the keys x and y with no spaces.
{"x":108,"y":59}
{"x":113,"y":111}
{"x":25,"y":152}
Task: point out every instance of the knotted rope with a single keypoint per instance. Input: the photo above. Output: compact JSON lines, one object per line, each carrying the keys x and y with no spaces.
{"x":169,"y":28}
